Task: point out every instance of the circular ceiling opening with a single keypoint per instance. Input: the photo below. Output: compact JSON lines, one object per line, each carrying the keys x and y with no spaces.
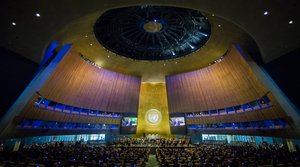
{"x":152,"y":32}
{"x":152,"y":26}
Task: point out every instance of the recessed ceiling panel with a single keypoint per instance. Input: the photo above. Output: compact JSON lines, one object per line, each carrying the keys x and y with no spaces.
{"x":152,"y":32}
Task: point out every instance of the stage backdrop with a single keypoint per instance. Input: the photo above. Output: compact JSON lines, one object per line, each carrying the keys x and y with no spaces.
{"x":153,"y":115}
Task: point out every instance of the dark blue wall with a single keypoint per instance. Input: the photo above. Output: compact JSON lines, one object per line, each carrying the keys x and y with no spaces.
{"x":285,"y":71}
{"x":16,"y":72}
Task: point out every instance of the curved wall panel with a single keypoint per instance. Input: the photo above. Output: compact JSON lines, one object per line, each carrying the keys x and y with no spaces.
{"x":76,"y":82}
{"x":228,"y":83}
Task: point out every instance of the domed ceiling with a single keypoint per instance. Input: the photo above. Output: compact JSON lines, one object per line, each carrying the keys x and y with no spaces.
{"x":152,"y":32}
{"x":101,"y":37}
{"x":74,"y":21}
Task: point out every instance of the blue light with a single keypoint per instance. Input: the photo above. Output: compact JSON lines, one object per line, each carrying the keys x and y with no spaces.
{"x":50,"y":51}
{"x":191,"y":46}
{"x":203,"y":34}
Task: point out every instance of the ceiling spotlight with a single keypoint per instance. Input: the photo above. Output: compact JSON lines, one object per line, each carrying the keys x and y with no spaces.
{"x":219,"y":25}
{"x":108,"y":56}
{"x":266,"y":13}
{"x":37,"y":15}
{"x":212,"y":14}
{"x":86,"y":36}
{"x":91,"y":44}
{"x":191,"y":46}
{"x":291,"y":22}
{"x":14,"y":23}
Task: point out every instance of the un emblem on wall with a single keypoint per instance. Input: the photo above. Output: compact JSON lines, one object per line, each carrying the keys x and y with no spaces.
{"x":153,"y":116}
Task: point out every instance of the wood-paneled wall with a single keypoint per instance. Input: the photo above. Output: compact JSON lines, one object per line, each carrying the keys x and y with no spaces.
{"x":228,"y":83}
{"x":76,"y":82}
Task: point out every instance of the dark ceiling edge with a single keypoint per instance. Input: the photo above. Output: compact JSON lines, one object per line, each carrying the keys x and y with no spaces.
{"x":18,"y":55}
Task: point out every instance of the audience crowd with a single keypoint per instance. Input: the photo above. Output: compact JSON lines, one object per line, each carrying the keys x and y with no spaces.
{"x":75,"y":154}
{"x":129,"y":152}
{"x":228,"y":155}
{"x":158,"y":142}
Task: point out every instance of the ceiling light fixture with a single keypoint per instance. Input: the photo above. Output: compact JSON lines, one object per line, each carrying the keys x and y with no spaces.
{"x":291,"y":22}
{"x":37,"y":15}
{"x":14,"y":23}
{"x":204,"y":34}
{"x":191,"y":46}
{"x":266,"y":13}
{"x":219,"y":25}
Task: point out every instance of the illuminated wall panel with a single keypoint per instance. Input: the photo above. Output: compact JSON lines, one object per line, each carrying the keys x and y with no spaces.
{"x":227,"y":83}
{"x":153,"y":115}
{"x":78,"y":83}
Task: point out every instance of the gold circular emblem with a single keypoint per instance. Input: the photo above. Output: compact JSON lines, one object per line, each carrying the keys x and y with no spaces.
{"x":153,"y":116}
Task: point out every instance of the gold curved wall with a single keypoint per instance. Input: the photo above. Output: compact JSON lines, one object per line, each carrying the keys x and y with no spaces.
{"x":228,"y":83}
{"x":77,"y":83}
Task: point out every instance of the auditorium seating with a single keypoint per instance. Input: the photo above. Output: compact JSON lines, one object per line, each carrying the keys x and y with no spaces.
{"x":41,"y":124}
{"x":228,"y":155}
{"x":75,"y":154}
{"x":256,"y":105}
{"x":266,"y":124}
{"x":169,"y":152}
{"x":49,"y":105}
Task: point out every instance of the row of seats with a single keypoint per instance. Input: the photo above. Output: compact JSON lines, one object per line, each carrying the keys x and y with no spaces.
{"x":259,"y":104}
{"x":41,"y":124}
{"x":145,"y":141}
{"x":78,"y":154}
{"x":75,"y":154}
{"x":266,"y":124}
{"x":47,"y":104}
{"x":228,"y":155}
